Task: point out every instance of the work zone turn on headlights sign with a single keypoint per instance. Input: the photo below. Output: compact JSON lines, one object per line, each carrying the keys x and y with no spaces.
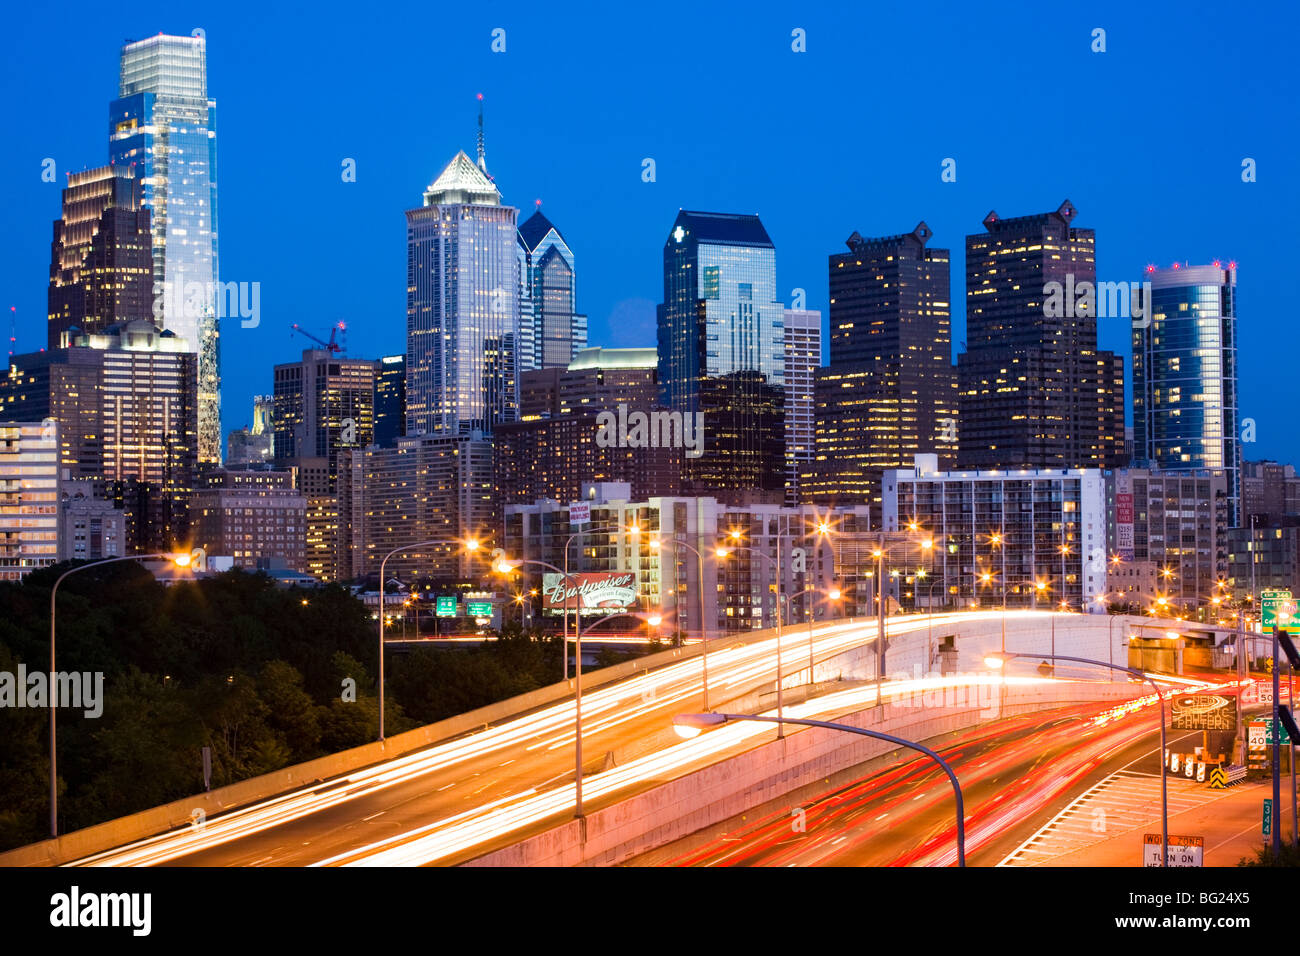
{"x":1183,"y":850}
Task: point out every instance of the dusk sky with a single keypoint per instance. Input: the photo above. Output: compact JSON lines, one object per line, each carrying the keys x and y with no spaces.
{"x":1146,"y":139}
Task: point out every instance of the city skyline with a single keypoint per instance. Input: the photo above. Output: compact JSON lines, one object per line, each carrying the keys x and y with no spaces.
{"x":882,"y":192}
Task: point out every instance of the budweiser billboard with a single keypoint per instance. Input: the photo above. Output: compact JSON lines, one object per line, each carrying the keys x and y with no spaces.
{"x":602,"y":592}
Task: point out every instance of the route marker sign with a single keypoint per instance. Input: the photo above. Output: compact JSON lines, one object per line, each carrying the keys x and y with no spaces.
{"x":1183,"y":850}
{"x":1277,"y":607}
{"x":446,"y":606}
{"x":1268,"y":816}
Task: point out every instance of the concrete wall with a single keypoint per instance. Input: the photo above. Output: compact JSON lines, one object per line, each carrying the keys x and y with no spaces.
{"x":718,"y":792}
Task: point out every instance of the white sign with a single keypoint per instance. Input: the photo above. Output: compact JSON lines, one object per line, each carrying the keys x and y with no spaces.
{"x":1266,"y":694}
{"x":579,"y":512}
{"x":1182,"y":850}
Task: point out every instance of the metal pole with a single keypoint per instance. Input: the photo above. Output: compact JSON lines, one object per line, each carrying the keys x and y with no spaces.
{"x":780,"y":709}
{"x":54,"y":593}
{"x":382,"y":612}
{"x":1295,"y":811}
{"x":897,"y":741}
{"x":1164,"y":767}
{"x":704,"y":633}
{"x":1277,"y":754}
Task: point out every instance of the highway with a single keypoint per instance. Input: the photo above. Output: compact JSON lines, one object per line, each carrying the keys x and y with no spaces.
{"x":462,"y":797}
{"x":1014,"y":773}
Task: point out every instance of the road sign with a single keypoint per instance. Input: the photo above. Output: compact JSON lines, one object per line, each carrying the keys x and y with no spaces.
{"x":478,"y":608}
{"x":1265,"y":692}
{"x":1183,"y":850}
{"x":1261,"y":734}
{"x":1204,"y":712}
{"x":1268,"y":816}
{"x":1277,"y":607}
{"x":446,"y":606}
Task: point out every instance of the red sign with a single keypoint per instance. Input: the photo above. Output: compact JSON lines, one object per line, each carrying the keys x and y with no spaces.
{"x":1123,"y":509}
{"x":590,"y":592}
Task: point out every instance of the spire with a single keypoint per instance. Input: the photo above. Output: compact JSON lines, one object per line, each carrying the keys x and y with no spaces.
{"x":482,"y":163}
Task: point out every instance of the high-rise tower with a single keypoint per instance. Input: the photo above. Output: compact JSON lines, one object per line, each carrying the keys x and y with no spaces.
{"x":462,"y":304}
{"x":164,"y":125}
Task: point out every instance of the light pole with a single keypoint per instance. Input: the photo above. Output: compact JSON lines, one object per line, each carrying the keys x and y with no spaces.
{"x":567,"y":543}
{"x":834,"y":595}
{"x":690,"y":725}
{"x":722,"y":553}
{"x":181,"y":560}
{"x":998,"y":662}
{"x":657,"y":542}
{"x":506,"y":566}
{"x":470,"y":544}
{"x":880,"y":553}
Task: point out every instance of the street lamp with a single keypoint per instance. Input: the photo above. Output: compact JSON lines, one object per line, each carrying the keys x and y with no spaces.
{"x":470,"y":544}
{"x":601,"y":528}
{"x":180,"y":560}
{"x":722,"y":553}
{"x":504,"y":566}
{"x":656,"y":542}
{"x":998,"y":662}
{"x":833,"y":594}
{"x":691,"y":725}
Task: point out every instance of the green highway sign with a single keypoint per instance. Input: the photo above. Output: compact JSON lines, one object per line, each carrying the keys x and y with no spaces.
{"x":446,"y":606}
{"x":478,"y":608}
{"x":1278,"y":607}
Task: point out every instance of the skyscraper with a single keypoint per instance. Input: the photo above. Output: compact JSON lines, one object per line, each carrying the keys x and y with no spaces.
{"x":1034,"y":389}
{"x":720,"y":312}
{"x":803,"y":356}
{"x":721,"y":332}
{"x":462,"y":304}
{"x":164,"y":125}
{"x":390,"y":399}
{"x":889,"y":392}
{"x":123,"y":401}
{"x":101,"y":259}
{"x":550,"y":296}
{"x":1185,"y":375}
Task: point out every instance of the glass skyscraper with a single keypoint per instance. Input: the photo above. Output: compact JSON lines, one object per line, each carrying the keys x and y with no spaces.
{"x":1185,"y":375}
{"x":164,"y":125}
{"x":550,"y":295}
{"x":462,"y":305}
{"x":720,"y":312}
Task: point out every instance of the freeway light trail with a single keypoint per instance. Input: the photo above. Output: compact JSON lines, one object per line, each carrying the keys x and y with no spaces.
{"x":730,"y":667}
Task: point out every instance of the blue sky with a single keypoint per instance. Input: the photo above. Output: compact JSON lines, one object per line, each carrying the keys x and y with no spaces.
{"x":1147,"y":139}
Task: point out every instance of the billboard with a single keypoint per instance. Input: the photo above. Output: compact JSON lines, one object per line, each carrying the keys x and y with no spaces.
{"x":579,"y":512}
{"x":592,"y":592}
{"x":1204,"y":712}
{"x":1124,"y":517}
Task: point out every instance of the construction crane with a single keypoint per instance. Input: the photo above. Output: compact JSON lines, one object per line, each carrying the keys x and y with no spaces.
{"x":332,"y":345}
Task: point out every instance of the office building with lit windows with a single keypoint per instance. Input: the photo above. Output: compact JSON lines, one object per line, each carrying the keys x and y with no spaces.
{"x":124,"y":401}
{"x":552,"y":330}
{"x":424,"y":488}
{"x":1035,"y":391}
{"x":1185,"y":375}
{"x":324,"y":407}
{"x":889,"y":392}
{"x":29,"y":498}
{"x":390,"y":399}
{"x":163,"y":125}
{"x":721,"y":342}
{"x":803,"y":356}
{"x":462,"y":305}
{"x":997,"y":535}
{"x":1175,"y":525}
{"x":739,"y":590}
{"x":101,"y":258}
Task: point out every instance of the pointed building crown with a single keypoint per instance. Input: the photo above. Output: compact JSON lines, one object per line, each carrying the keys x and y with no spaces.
{"x":461,"y":181}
